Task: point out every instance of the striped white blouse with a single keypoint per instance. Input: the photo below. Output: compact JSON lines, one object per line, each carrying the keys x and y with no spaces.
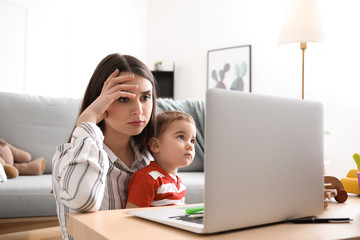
{"x":87,"y":175}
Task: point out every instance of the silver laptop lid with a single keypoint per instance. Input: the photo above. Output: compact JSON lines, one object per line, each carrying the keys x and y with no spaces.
{"x":263,"y":159}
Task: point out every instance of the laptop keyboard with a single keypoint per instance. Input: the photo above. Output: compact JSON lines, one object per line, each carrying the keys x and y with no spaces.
{"x":190,"y":218}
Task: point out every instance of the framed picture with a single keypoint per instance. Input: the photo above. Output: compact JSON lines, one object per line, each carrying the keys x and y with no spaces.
{"x":230,"y":68}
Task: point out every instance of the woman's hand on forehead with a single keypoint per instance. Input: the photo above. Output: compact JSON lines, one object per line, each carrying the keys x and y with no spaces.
{"x":114,"y":87}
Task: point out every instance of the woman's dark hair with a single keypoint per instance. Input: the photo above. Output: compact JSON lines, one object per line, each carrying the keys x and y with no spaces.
{"x":124,"y":63}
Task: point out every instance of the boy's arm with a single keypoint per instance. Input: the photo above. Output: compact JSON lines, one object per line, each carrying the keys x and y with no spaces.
{"x":142,"y":189}
{"x":131,"y":205}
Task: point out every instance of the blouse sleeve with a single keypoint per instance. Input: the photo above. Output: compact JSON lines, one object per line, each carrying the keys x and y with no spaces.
{"x":80,"y":169}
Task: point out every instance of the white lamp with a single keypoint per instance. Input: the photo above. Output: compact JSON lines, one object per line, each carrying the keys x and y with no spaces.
{"x":302,"y":24}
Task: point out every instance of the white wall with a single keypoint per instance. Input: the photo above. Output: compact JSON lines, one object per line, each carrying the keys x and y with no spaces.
{"x":65,"y":40}
{"x":13,"y":20}
{"x":182,"y":31}
{"x":57,"y":48}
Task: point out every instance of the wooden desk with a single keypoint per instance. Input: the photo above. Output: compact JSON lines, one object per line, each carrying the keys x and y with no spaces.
{"x":117,"y":224}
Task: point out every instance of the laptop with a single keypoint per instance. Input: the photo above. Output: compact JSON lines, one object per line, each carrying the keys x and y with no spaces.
{"x":263,"y":163}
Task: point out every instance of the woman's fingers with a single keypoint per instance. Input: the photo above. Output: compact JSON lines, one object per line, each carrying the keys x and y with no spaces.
{"x":114,"y":87}
{"x":126,"y":88}
{"x":118,"y":94}
{"x":101,"y":104}
{"x":114,"y":80}
{"x":114,"y":74}
{"x":123,"y":78}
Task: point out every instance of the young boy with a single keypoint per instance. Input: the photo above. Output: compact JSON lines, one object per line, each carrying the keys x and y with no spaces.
{"x":173,"y":147}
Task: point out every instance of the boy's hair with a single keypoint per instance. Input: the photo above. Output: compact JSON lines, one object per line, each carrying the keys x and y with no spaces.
{"x":164,"y":119}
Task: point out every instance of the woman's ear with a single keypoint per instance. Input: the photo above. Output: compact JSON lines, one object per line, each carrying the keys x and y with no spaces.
{"x":154,"y":145}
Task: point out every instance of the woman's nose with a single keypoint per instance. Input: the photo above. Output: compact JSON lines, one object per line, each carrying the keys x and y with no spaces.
{"x":137,"y":108}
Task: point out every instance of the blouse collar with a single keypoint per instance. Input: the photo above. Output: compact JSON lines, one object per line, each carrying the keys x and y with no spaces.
{"x":143,"y":158}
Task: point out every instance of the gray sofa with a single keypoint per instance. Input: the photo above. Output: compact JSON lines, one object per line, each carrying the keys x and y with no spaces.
{"x":38,"y":124}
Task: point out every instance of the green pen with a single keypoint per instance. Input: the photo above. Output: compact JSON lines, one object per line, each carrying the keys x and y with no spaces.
{"x":193,"y":210}
{"x":356,"y":157}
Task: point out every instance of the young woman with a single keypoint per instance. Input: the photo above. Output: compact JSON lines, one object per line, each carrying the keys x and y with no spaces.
{"x":109,"y":143}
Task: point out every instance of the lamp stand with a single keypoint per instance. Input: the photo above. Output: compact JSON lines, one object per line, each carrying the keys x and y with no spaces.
{"x":303,"y":47}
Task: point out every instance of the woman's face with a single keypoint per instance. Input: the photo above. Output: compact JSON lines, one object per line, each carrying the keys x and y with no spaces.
{"x":129,"y":116}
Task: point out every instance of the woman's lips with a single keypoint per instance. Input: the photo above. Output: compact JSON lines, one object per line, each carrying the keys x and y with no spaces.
{"x":136,"y":123}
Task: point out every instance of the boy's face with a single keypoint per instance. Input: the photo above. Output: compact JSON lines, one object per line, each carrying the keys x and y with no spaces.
{"x":175,"y":147}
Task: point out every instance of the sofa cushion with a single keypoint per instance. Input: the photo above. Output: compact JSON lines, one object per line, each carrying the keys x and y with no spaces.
{"x":27,"y":196}
{"x":37,"y":124}
{"x":194,"y":182}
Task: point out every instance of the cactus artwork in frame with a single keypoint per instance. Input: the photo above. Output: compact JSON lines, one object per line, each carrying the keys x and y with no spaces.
{"x":230,"y":68}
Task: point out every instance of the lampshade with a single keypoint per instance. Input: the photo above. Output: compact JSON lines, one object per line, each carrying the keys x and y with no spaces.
{"x":301,"y":23}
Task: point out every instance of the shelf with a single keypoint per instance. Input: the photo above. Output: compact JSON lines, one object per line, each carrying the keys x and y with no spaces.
{"x":165,"y":82}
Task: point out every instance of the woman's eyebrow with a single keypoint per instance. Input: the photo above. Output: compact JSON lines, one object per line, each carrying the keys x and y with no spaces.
{"x":145,"y":92}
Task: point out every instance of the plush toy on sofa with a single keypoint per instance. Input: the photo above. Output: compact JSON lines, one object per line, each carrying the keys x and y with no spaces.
{"x":18,"y":162}
{"x":3,"y":177}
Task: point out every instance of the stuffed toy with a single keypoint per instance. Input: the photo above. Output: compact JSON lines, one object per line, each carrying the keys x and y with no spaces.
{"x":3,"y":177}
{"x":18,"y":162}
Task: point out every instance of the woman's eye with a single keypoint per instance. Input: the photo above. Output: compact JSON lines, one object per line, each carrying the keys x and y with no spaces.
{"x":146,"y":97}
{"x":123,"y":99}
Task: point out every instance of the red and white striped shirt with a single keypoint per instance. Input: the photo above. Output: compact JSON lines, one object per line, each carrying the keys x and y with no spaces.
{"x":153,"y":186}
